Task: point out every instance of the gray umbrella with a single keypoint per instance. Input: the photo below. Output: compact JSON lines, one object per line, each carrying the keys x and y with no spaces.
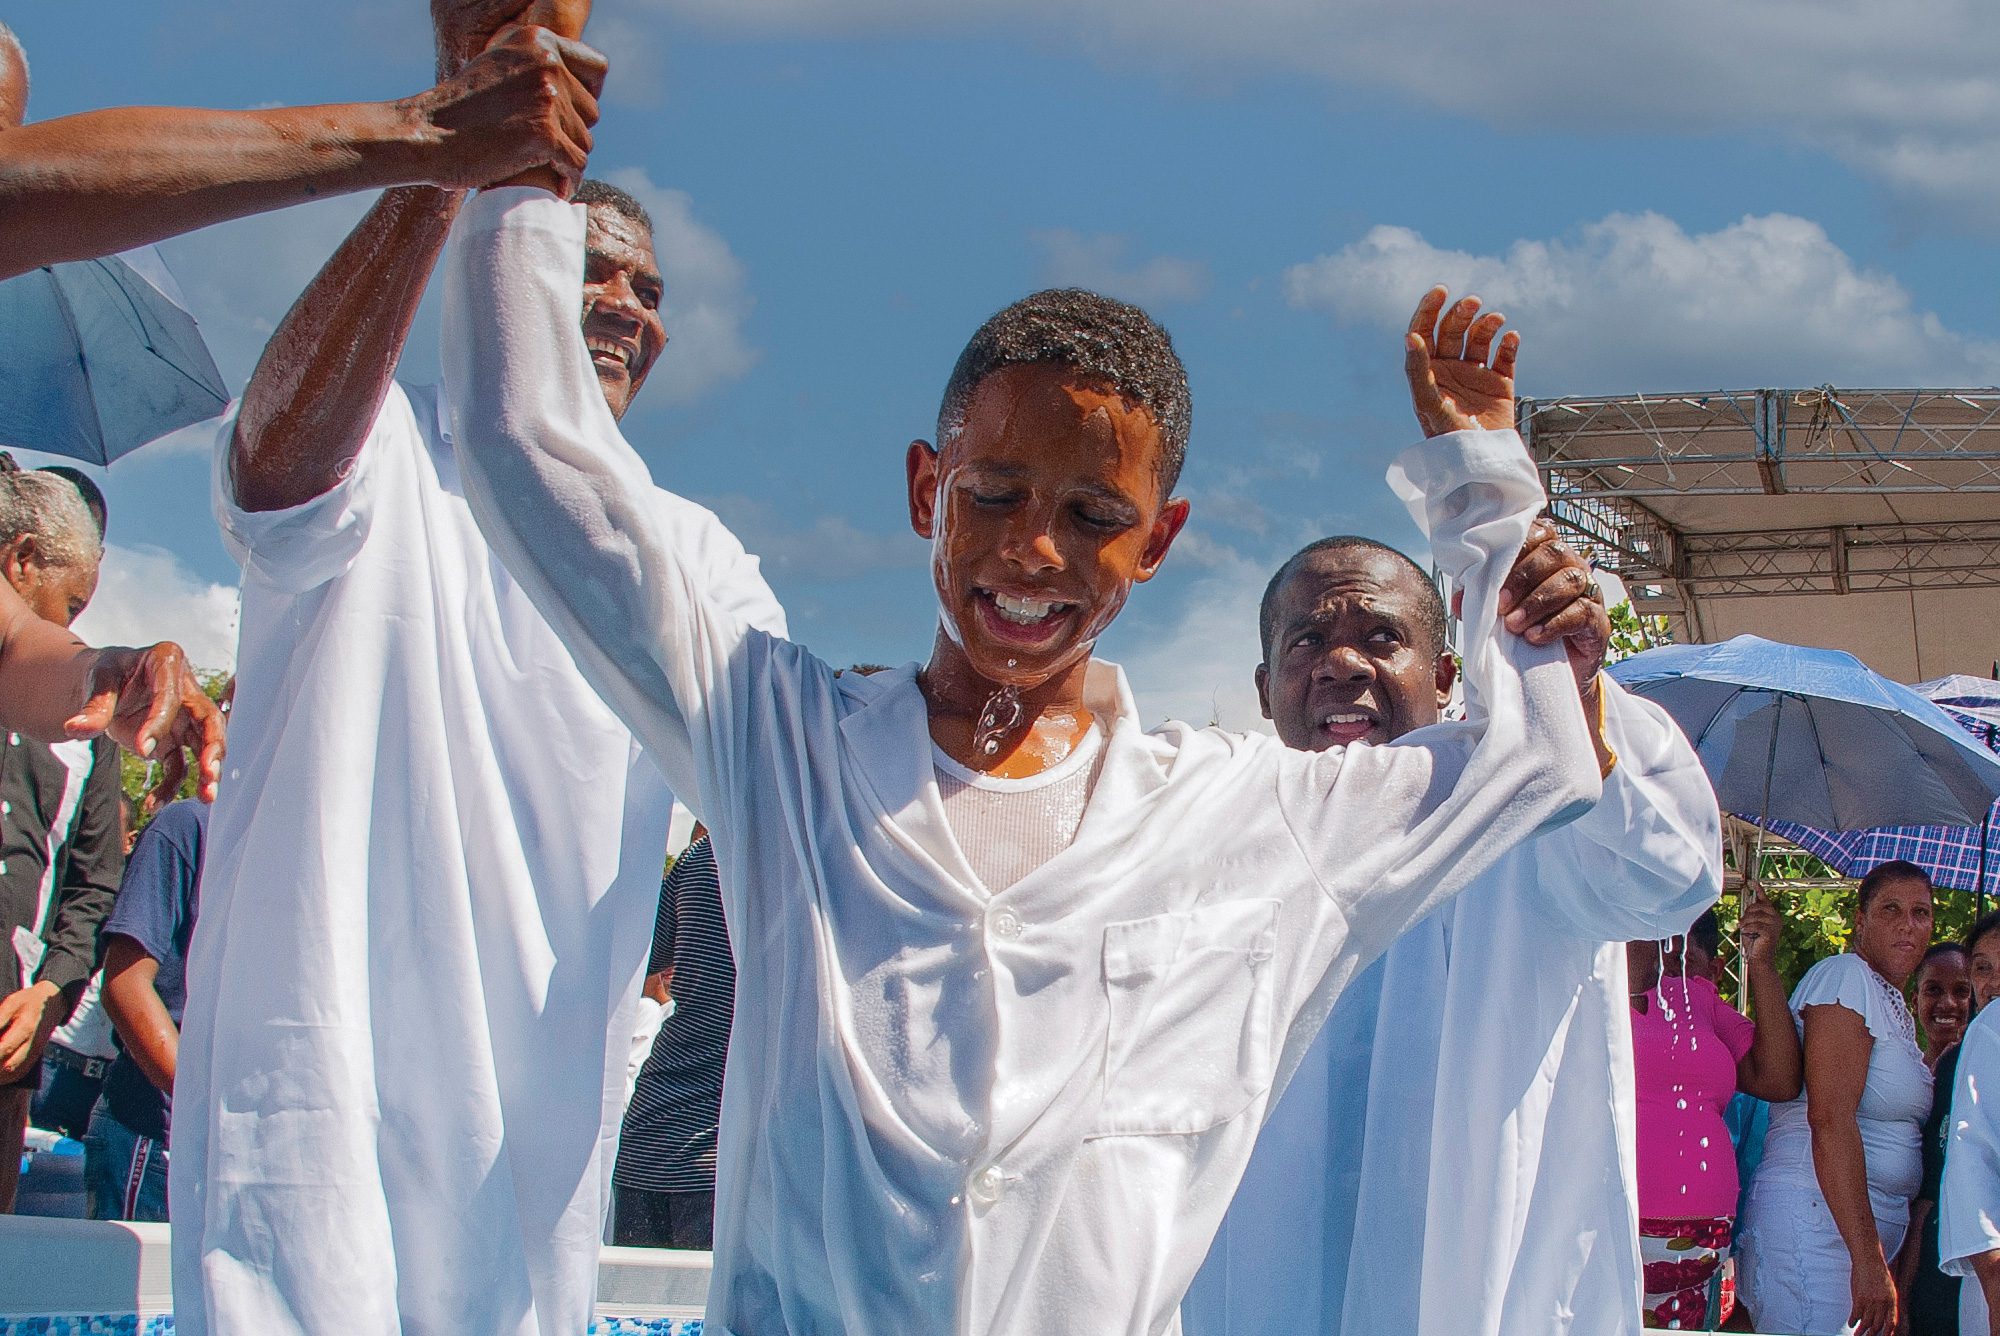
{"x":99,"y":357}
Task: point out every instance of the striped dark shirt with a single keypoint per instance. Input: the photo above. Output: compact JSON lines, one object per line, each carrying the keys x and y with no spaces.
{"x":667,"y":1143}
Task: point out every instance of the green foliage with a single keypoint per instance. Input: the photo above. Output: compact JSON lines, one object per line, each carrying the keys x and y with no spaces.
{"x":1631,"y":633}
{"x":135,"y":776}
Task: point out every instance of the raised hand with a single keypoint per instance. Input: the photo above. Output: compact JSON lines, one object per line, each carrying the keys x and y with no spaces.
{"x":464,"y":28}
{"x":1550,"y":595}
{"x":1453,"y":385}
{"x":147,"y":700}
{"x":524,"y":103}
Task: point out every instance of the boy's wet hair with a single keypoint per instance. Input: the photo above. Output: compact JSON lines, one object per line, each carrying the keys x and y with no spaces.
{"x":1098,"y":338}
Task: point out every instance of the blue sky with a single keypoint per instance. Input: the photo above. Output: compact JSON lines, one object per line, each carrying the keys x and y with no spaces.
{"x":1714,"y":194}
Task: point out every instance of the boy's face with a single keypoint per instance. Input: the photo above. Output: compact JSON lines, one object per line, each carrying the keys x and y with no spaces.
{"x":1042,"y":512}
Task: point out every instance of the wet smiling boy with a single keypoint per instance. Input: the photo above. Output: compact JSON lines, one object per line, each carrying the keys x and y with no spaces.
{"x":1018,"y":979}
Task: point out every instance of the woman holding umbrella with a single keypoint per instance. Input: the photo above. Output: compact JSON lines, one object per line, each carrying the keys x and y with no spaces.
{"x":1830,"y":1201}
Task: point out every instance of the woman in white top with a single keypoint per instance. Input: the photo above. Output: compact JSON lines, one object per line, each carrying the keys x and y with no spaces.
{"x":1830,"y":1202}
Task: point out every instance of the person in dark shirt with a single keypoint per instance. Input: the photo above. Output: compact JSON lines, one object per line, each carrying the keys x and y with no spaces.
{"x":60,"y":851}
{"x":664,"y":1182}
{"x":145,"y":963}
{"x":1933,"y":1295}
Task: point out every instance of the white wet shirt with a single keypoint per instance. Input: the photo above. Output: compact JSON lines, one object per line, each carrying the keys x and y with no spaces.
{"x":949,"y":1112}
{"x":431,"y":880}
{"x":1969,"y":1204}
{"x":1455,"y":1155}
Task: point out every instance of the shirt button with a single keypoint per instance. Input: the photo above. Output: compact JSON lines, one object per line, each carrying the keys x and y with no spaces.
{"x":988,"y":1185}
{"x":1006,"y":924}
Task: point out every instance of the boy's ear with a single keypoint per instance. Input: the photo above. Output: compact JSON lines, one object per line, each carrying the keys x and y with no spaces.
{"x":1166,"y":527}
{"x":1447,"y":674}
{"x":920,"y":465}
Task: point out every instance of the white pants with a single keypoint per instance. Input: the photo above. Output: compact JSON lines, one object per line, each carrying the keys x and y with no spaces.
{"x":1792,"y":1270}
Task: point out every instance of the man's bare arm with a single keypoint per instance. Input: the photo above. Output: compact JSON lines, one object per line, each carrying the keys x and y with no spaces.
{"x":105,"y":181}
{"x":54,"y":686}
{"x":323,"y":376}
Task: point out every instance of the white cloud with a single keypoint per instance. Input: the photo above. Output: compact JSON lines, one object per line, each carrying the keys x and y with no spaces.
{"x":1908,"y":92}
{"x":1071,"y":259}
{"x":708,"y":298}
{"x":1633,"y":302}
{"x":145,"y":594}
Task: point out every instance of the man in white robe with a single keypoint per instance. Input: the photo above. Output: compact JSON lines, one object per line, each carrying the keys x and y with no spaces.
{"x":435,"y":861}
{"x":963,"y":1094}
{"x":1455,"y":1155}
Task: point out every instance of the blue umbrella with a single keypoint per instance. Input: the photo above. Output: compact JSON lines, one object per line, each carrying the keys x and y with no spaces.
{"x":1815,"y":737}
{"x":99,"y":357}
{"x":1954,"y":856}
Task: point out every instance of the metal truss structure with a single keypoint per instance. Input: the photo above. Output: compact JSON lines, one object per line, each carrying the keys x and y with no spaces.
{"x":1697,"y":499}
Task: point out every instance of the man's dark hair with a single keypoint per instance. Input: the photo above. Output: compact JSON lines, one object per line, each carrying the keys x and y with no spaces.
{"x":93,"y":495}
{"x":1896,"y":869}
{"x":1432,"y":607}
{"x":602,"y":194}
{"x":1705,"y":934}
{"x":1988,"y":922}
{"x":1100,"y":339}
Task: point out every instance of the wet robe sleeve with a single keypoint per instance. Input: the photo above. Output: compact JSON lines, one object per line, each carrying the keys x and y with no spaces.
{"x":565,"y":501}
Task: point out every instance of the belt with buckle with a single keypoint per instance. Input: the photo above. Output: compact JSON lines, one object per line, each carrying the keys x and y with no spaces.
{"x":93,"y":1069}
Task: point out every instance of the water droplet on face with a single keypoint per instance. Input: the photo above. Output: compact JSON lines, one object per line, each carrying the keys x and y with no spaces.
{"x":1011,"y":664}
{"x":1704,"y":1166}
{"x":1704,"y":1143}
{"x":1680,"y":1104}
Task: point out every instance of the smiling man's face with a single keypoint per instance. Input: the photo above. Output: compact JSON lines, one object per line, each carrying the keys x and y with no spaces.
{"x":1351,"y":658}
{"x":622,"y":292}
{"x":1043,"y":512}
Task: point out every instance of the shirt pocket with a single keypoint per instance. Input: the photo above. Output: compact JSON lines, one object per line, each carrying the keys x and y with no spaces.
{"x":1189,"y":1043}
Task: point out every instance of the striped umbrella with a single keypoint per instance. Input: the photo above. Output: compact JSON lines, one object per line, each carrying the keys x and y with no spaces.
{"x":1955,"y":856}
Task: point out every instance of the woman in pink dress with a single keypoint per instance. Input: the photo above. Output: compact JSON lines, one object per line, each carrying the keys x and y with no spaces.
{"x":1691,"y":1053}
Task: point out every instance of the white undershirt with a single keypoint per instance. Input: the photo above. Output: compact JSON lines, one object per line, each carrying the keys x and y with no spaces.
{"x":1009,"y":827}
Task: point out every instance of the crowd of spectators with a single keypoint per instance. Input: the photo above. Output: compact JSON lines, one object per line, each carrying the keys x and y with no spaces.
{"x":1792,"y":1168}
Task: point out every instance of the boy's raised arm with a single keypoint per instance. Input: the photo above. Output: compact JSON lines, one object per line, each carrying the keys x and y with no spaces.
{"x":1393,"y":830}
{"x":566,"y":503}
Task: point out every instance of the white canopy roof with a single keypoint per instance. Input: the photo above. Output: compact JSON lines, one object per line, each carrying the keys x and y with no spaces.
{"x":1862,"y":520}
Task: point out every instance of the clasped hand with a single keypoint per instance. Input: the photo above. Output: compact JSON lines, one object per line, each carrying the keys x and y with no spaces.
{"x":517,"y":96}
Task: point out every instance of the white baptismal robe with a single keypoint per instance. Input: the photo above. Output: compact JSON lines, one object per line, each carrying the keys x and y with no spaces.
{"x":431,"y":879}
{"x":948,"y":1112}
{"x":1969,"y":1204}
{"x":1455,"y":1155}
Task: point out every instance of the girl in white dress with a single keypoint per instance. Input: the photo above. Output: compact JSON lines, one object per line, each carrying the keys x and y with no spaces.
{"x":1830,"y":1202}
